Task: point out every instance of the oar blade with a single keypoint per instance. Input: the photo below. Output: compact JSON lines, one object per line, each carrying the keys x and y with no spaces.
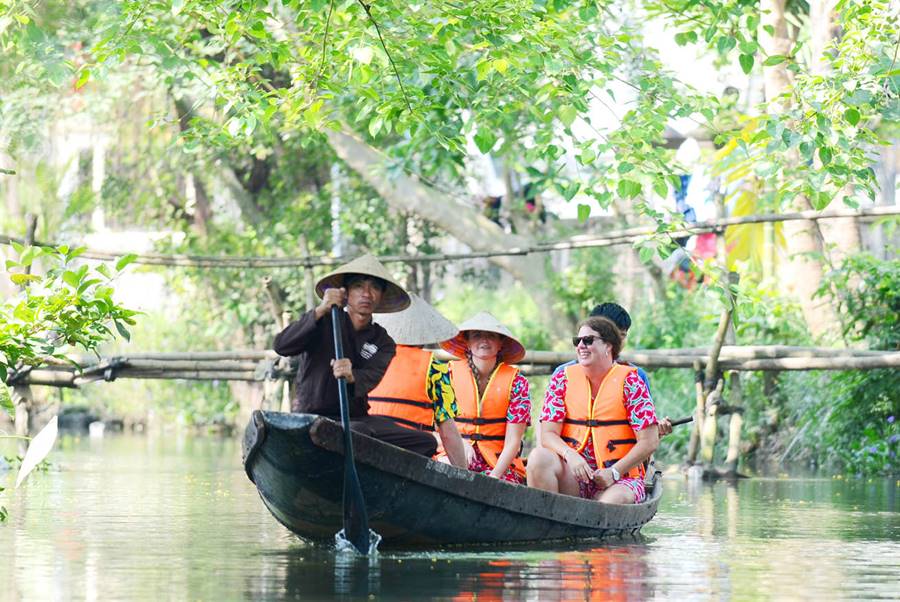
{"x":356,"y":521}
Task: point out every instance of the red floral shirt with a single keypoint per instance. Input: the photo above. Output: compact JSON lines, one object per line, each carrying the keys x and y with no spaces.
{"x":638,"y":405}
{"x":519,"y":401}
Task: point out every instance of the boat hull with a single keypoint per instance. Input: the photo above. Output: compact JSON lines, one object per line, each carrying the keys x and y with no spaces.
{"x":296,"y":462}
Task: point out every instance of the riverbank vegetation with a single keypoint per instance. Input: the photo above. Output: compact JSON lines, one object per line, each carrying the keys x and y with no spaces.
{"x":306,"y":129}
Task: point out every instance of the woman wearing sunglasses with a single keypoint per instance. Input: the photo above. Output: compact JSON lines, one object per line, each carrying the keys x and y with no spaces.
{"x":598,"y":423}
{"x":494,"y":402}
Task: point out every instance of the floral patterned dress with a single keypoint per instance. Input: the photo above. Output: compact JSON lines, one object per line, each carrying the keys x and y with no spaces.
{"x":519,"y":412}
{"x":641,"y":414}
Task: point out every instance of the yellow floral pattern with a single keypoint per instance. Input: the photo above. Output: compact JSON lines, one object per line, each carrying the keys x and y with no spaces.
{"x":440,"y":391}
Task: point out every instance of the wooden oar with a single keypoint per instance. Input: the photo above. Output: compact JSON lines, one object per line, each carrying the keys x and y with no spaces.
{"x":356,"y":522}
{"x":684,"y":420}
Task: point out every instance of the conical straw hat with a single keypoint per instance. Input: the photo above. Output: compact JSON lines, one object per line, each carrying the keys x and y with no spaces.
{"x":418,"y":324}
{"x":394,"y":298}
{"x":511,"y":352}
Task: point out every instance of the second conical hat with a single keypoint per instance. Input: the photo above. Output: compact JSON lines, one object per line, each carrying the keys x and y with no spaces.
{"x":512,"y":350}
{"x":395,"y":298}
{"x":418,"y":324}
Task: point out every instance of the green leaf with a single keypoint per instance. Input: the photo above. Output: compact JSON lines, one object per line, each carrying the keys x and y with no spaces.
{"x":125,"y":260}
{"x":567,"y":115}
{"x":749,"y":47}
{"x":375,"y":125}
{"x":485,"y":139}
{"x":825,"y":155}
{"x":725,"y":43}
{"x":123,"y":331}
{"x":27,"y":256}
{"x":482,"y":69}
{"x":685,"y":37}
{"x":629,"y":188}
{"x":21,"y":279}
{"x":587,"y":156}
{"x":660,"y":187}
{"x":500,"y":65}
{"x":646,"y":254}
{"x":571,"y":190}
{"x":584,"y":212}
{"x":71,"y":278}
{"x":821,"y":200}
{"x":852,"y":116}
{"x":83,"y":78}
{"x":775,"y":59}
{"x":87,"y":284}
{"x":746,"y":61}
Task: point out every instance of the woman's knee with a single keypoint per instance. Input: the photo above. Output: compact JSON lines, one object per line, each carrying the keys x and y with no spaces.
{"x":617,"y":494}
{"x":542,"y":459}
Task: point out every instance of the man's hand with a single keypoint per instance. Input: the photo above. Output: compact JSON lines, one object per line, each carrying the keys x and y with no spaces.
{"x":665,"y":426}
{"x":342,"y":369}
{"x":332,"y":296}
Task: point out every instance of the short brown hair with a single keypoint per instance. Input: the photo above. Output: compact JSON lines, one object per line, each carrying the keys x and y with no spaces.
{"x":608,"y":331}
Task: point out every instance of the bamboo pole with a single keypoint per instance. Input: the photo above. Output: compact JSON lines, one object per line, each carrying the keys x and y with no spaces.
{"x":712,"y":383}
{"x":218,"y":365}
{"x":249,"y":354}
{"x":699,"y":414}
{"x":735,"y":422}
{"x":620,"y":237}
{"x":765,"y":352}
{"x":710,"y":425}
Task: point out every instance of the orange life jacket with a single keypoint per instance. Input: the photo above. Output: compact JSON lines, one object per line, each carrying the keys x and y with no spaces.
{"x":603,"y":418}
{"x":484,"y":422}
{"x":401,"y":394}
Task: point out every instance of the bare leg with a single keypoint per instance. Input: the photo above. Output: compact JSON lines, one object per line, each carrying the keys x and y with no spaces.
{"x":547,"y":471}
{"x":617,"y":494}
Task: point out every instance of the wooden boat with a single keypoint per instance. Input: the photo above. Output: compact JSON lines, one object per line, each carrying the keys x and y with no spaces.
{"x":296,"y":462}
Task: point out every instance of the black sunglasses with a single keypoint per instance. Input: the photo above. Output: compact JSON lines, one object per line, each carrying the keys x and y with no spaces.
{"x":588,"y":340}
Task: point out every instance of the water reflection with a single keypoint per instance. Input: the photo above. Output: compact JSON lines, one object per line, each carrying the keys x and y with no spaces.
{"x":614,"y":572}
{"x":144,"y":518}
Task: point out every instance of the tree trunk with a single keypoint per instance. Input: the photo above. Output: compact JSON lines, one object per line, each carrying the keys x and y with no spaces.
{"x":804,"y":270}
{"x":465,"y":223}
{"x":194,"y":188}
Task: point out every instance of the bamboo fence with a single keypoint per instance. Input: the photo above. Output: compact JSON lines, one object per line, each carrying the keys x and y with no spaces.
{"x":259,"y":365}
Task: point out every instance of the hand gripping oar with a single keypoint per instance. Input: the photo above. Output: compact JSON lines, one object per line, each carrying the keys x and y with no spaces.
{"x":356,"y":522}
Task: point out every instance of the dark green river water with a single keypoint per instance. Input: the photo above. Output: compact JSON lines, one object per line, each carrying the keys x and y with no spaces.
{"x":174,"y":517}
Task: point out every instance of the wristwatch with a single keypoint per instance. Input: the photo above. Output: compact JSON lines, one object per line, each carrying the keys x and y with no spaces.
{"x":616,"y":475}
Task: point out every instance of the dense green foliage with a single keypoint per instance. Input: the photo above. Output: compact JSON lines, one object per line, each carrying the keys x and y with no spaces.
{"x":217,"y":116}
{"x":67,"y":306}
{"x":856,"y":419}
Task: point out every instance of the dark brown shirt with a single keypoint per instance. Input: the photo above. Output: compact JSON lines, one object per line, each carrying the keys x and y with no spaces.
{"x":369,"y":350}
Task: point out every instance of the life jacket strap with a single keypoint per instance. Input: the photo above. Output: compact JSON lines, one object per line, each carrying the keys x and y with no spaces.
{"x":479,"y":421}
{"x":612,"y":443}
{"x":595,"y":423}
{"x":409,"y":402}
{"x":416,"y":425}
{"x":481,"y":437}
